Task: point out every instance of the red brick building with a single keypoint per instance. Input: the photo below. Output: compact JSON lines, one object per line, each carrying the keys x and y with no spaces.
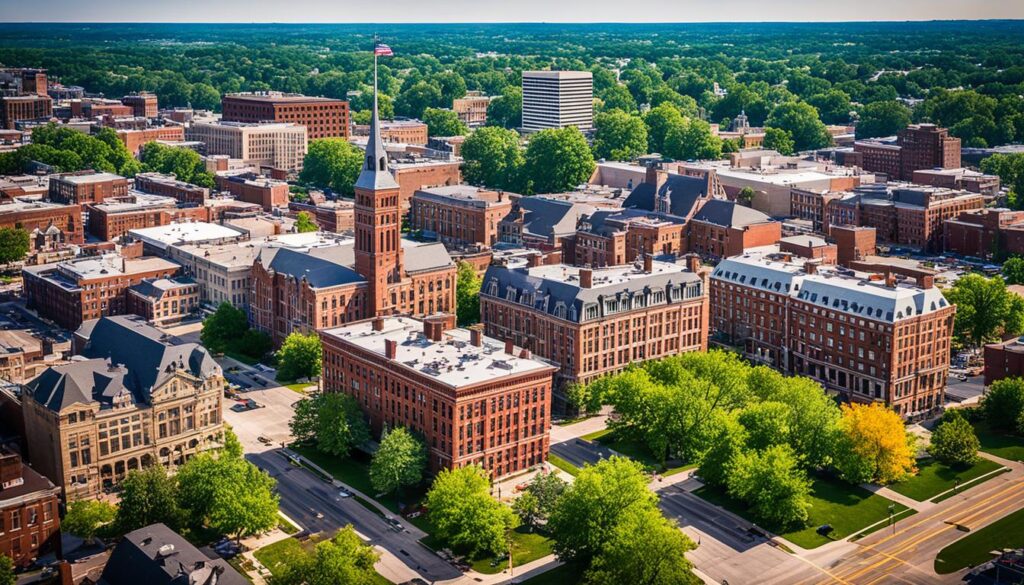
{"x":267,"y":193}
{"x":135,"y":139}
{"x":38,"y":217}
{"x":594,"y":322}
{"x":322,"y":117}
{"x":853,"y":243}
{"x":1004,"y":360}
{"x":164,"y":301}
{"x":86,"y":187}
{"x":960,"y":179}
{"x":330,"y":216}
{"x":982,"y":233}
{"x":810,"y":247}
{"x":14,"y":109}
{"x":168,"y":186}
{"x":813,"y":206}
{"x":919,"y":146}
{"x":866,"y":337}
{"x":143,"y":105}
{"x":612,"y":238}
{"x":69,"y":293}
{"x":29,"y":518}
{"x":474,"y":399}
{"x":724,"y":228}
{"x":419,"y":175}
{"x":116,"y":217}
{"x":459,"y":214}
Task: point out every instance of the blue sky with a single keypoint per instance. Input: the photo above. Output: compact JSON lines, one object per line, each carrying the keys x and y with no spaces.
{"x":325,"y":11}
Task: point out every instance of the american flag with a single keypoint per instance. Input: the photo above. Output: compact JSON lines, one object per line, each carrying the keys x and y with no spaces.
{"x":383,"y":50}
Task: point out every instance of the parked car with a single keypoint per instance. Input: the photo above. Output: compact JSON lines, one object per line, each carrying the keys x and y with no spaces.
{"x":264,"y":440}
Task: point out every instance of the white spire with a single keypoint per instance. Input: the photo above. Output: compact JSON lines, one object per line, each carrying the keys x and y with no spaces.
{"x":375,"y":173}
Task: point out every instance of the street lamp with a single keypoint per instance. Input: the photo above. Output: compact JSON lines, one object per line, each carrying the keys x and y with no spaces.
{"x":892,"y":511}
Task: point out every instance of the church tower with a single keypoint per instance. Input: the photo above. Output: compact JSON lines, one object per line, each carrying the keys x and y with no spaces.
{"x":378,"y":221}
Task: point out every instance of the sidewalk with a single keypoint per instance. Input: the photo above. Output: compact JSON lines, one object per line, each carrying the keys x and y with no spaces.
{"x":560,"y":433}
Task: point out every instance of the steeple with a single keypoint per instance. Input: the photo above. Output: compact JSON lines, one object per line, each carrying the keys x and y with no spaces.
{"x":375,"y":173}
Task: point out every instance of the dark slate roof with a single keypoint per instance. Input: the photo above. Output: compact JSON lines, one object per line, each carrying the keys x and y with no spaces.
{"x":155,"y":288}
{"x":147,"y":357}
{"x":729,"y":214}
{"x":329,"y":266}
{"x":545,"y":217}
{"x":683,"y":191}
{"x":156,"y":555}
{"x":598,"y":221}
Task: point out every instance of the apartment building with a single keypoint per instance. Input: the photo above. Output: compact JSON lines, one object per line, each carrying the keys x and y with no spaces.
{"x":322,"y":117}
{"x":558,"y":99}
{"x":164,"y":301}
{"x":917,"y":147}
{"x":276,"y":145}
{"x":472,"y":108}
{"x":726,"y":228}
{"x":86,"y":187}
{"x":474,"y":399}
{"x":612,"y":238}
{"x":29,"y":515}
{"x":143,"y":105}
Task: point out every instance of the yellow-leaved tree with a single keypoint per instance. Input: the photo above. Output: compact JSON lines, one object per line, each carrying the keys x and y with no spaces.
{"x":874,"y":445}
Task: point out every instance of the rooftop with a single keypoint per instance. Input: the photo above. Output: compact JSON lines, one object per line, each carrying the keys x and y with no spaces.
{"x":276,"y":96}
{"x":156,"y":555}
{"x":559,"y":74}
{"x":19,"y":205}
{"x":89,"y":178}
{"x":140,"y":201}
{"x":185,"y":233}
{"x":453,"y":361}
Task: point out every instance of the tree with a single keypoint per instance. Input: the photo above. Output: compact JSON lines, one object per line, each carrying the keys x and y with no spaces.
{"x":779,"y":140}
{"x":148,"y":496}
{"x":506,"y":110}
{"x":342,"y":559}
{"x":527,"y":508}
{"x":985,"y":309}
{"x":84,"y":518}
{"x":580,"y":397}
{"x":833,"y":105}
{"x":767,"y":424}
{"x":884,"y":118}
{"x":467,"y":294}
{"x":1010,"y":169}
{"x":332,"y":163}
{"x":451,"y":85}
{"x":619,"y":136}
{"x":185,"y":164}
{"x":813,"y":415}
{"x":299,"y":356}
{"x":444,"y":123}
{"x":659,"y":121}
{"x":332,"y":421}
{"x":873,"y":445}
{"x":227,"y":494}
{"x":14,"y":244}
{"x":726,"y":446}
{"x":7,"y":576}
{"x":224,"y":326}
{"x":746,"y":196}
{"x":692,"y":139}
{"x":417,"y":98}
{"x":464,"y":514}
{"x":589,"y":510}
{"x":618,"y":97}
{"x":643,"y":547}
{"x":304,"y":223}
{"x":558,"y":160}
{"x":1003,"y":404}
{"x":954,"y":441}
{"x":801,"y":121}
{"x":399,"y":461}
{"x":1013,"y":270}
{"x":544,"y":489}
{"x":493,"y":158}
{"x":772,"y":483}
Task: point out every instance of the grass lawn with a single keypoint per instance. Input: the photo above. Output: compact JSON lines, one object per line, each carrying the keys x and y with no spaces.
{"x":241,"y":357}
{"x":563,"y":464}
{"x":355,"y":471}
{"x":526,"y":547}
{"x":934,"y":477}
{"x":848,"y":508}
{"x":974,"y":548}
{"x":635,"y":450}
{"x":1001,"y":445}
{"x":298,"y":387}
{"x":286,"y":526}
{"x":281,"y":554}
{"x":560,"y":575}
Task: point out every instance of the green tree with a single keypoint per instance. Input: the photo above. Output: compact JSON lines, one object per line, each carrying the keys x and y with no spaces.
{"x":223,"y":327}
{"x":451,"y":85}
{"x":692,"y":140}
{"x":467,"y":294}
{"x":779,"y":140}
{"x":14,"y":244}
{"x":84,"y":518}
{"x":580,"y":397}
{"x":659,"y":120}
{"x":587,"y":513}
{"x":801,"y":121}
{"x":333,"y":163}
{"x":332,"y":421}
{"x":7,"y":576}
{"x":985,"y":309}
{"x":417,"y":98}
{"x":304,"y":223}
{"x":833,"y":106}
{"x":444,"y":123}
{"x":399,"y":461}
{"x":813,"y":415}
{"x":772,"y":483}
{"x":1010,"y":169}
{"x":767,"y":424}
{"x":1003,"y":404}
{"x":544,"y":489}
{"x":493,"y":158}
{"x":873,"y":445}
{"x":299,"y":356}
{"x":527,"y":508}
{"x":746,"y":196}
{"x":464,"y":514}
{"x":618,"y":97}
{"x":228,"y":494}
{"x":342,"y":559}
{"x":643,"y":547}
{"x":619,"y":136}
{"x":558,"y":160}
{"x":204,"y":96}
{"x":726,"y":446}
{"x":506,"y":110}
{"x":1013,"y":270}
{"x":185,"y":164}
{"x":148,"y":496}
{"x":879,"y":119}
{"x":954,"y":441}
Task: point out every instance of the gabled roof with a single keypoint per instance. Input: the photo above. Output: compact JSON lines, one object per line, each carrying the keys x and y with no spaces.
{"x":321,"y":267}
{"x":79,"y":382}
{"x":683,"y":192}
{"x":543,"y":217}
{"x":156,"y":555}
{"x":729,"y":214}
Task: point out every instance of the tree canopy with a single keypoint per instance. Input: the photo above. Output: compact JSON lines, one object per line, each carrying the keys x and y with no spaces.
{"x":558,"y":160}
{"x":493,"y":158}
{"x":467,"y":294}
{"x":985,"y":309}
{"x":330,"y":420}
{"x":14,"y":244}
{"x":441,"y":122}
{"x":332,"y":163}
{"x":874,"y":445}
{"x":399,"y":462}
{"x":184,"y":163}
{"x":619,"y":136}
{"x":464,"y":514}
{"x":299,"y":356}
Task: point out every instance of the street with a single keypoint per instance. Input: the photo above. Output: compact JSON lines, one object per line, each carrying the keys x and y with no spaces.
{"x":580,"y":452}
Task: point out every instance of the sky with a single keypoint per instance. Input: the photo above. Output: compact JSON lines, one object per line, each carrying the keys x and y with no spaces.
{"x":394,"y":11}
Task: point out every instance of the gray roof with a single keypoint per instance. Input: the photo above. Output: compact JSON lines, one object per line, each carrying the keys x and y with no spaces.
{"x":545,"y":217}
{"x":729,"y":214}
{"x":148,"y":359}
{"x":375,"y":173}
{"x":156,"y":555}
{"x":329,"y":266}
{"x":683,"y":192}
{"x":598,"y":221}
{"x":155,"y":288}
{"x":555,"y":286}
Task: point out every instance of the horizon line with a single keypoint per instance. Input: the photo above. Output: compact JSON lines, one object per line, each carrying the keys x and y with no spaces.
{"x":511,"y":22}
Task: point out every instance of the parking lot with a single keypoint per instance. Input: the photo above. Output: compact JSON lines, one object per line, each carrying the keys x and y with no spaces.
{"x":269,"y":421}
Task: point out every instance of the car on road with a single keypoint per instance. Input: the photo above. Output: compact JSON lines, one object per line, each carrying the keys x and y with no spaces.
{"x":394,"y":523}
{"x":264,"y":440}
{"x":344,"y":493}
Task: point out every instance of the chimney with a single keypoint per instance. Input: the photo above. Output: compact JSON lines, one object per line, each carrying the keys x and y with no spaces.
{"x":433,"y":329}
{"x":586,"y":278}
{"x":553,"y":257}
{"x":648,"y":263}
{"x":811,"y":267}
{"x":501,"y":196}
{"x":534,"y":260}
{"x":890,"y":280}
{"x":525,"y":354}
{"x":510,"y":348}
{"x":390,"y":349}
{"x":926,"y":281}
{"x":476,"y":336}
{"x":378,"y":323}
{"x":693,"y":263}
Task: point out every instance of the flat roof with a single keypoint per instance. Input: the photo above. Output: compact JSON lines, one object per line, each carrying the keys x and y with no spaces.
{"x":559,"y":74}
{"x":604,"y":277}
{"x":191,"y":232}
{"x":89,"y":178}
{"x":453,"y":361}
{"x":20,"y":205}
{"x":142,"y":201}
{"x":280,"y":97}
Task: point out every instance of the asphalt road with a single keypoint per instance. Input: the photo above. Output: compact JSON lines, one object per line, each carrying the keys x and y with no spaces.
{"x":581,"y":451}
{"x":315,"y":505}
{"x":958,"y":391}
